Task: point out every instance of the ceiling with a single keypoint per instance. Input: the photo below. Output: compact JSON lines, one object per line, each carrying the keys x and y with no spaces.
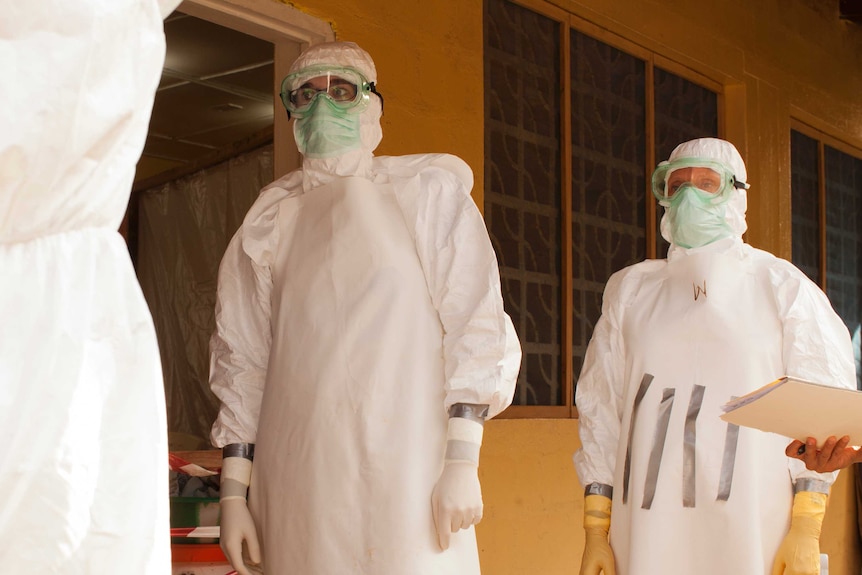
{"x":216,"y":90}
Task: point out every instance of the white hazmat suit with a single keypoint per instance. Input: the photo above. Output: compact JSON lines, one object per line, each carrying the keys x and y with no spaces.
{"x":359,"y":300}
{"x":83,"y":468}
{"x":677,"y":339}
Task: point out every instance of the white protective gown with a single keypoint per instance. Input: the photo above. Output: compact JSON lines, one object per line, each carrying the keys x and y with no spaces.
{"x":83,"y":467}
{"x":707,"y":324}
{"x":350,"y":316}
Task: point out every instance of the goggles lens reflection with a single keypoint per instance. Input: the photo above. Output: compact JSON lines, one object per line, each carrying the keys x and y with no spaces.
{"x":344,"y":87}
{"x":709,"y":176}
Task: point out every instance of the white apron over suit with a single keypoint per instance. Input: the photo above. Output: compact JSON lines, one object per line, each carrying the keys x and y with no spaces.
{"x":677,"y":339}
{"x":344,"y":330}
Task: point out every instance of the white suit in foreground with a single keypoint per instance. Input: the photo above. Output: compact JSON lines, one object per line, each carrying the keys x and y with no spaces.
{"x":83,"y":467}
{"x":359,"y":300}
{"x":677,"y":339}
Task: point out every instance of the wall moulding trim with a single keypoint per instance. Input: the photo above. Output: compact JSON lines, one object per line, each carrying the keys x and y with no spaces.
{"x":815,"y":127}
{"x":265,"y":19}
{"x":289,"y":30}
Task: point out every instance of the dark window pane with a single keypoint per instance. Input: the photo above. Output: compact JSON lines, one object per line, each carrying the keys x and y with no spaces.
{"x":608,"y":150}
{"x":522,"y":186}
{"x":805,"y":204}
{"x":844,"y":239}
{"x":523,"y":176}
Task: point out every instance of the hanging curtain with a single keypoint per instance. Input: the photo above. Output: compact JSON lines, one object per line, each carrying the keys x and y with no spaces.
{"x":184,"y":227}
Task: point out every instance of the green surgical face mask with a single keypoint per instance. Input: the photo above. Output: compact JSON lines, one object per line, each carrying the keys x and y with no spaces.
{"x":326,"y":130}
{"x":696,"y":218}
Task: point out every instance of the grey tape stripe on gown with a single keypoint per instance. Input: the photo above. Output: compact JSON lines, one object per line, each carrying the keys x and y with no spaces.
{"x":646,"y":380}
{"x":658,"y":446}
{"x":728,"y":460}
{"x":689,"y":448}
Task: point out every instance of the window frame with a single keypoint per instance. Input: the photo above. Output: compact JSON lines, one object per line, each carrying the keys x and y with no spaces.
{"x":823,"y":139}
{"x":290,"y":31}
{"x":612,"y":35}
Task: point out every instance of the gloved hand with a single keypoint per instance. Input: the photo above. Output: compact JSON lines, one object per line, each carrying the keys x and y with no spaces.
{"x":237,"y":527}
{"x":236,"y":523}
{"x":598,"y":556}
{"x":456,"y":501}
{"x":799,"y":553}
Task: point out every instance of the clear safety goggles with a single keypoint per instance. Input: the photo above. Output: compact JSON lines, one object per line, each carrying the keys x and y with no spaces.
{"x":708,"y":175}
{"x":346,"y":88}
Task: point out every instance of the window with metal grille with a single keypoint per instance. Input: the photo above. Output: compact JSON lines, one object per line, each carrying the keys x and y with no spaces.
{"x":826,"y":205}
{"x":575,"y":118}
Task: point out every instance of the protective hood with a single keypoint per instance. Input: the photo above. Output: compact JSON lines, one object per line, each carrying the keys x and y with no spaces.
{"x":318,"y":171}
{"x":727,"y":154}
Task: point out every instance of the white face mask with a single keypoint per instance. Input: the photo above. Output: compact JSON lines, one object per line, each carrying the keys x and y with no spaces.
{"x":326,"y":131}
{"x":696,"y":219}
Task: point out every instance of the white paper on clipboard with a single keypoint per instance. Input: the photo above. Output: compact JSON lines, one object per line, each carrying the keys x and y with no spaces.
{"x":799,"y":409}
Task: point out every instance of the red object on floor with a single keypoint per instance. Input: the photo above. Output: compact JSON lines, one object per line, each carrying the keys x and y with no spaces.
{"x":197,"y":553}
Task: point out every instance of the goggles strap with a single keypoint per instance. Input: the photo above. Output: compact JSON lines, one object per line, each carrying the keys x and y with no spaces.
{"x":373,"y":90}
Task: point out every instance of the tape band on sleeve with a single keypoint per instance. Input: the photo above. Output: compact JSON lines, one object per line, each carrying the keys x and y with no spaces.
{"x":244,"y":450}
{"x":597,"y":512}
{"x":471,"y":411}
{"x":238,"y":469}
{"x":461,"y":429}
{"x":810,"y":484}
{"x":229,"y":497}
{"x":462,"y":451}
{"x":596,"y":518}
{"x":232,"y":489}
{"x":599,"y":489}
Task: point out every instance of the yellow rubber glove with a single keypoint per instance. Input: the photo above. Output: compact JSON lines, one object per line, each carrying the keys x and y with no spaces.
{"x":799,"y":553}
{"x":598,"y":556}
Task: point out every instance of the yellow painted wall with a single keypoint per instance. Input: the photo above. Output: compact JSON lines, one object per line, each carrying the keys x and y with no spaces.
{"x":777,"y":58}
{"x":429,"y":67}
{"x":534,"y":504}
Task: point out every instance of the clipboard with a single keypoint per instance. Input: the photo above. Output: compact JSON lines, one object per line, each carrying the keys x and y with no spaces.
{"x":799,"y":409}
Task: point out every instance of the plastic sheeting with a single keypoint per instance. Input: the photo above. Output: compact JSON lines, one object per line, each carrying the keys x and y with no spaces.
{"x":184,"y":228}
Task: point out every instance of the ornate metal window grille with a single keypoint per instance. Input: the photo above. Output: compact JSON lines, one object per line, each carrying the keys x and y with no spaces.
{"x":573,"y":125}
{"x":826,"y":200}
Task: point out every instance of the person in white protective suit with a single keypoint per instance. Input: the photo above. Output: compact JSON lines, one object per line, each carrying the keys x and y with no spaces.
{"x":677,"y":339}
{"x":360,"y":345}
{"x":84,"y":463}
